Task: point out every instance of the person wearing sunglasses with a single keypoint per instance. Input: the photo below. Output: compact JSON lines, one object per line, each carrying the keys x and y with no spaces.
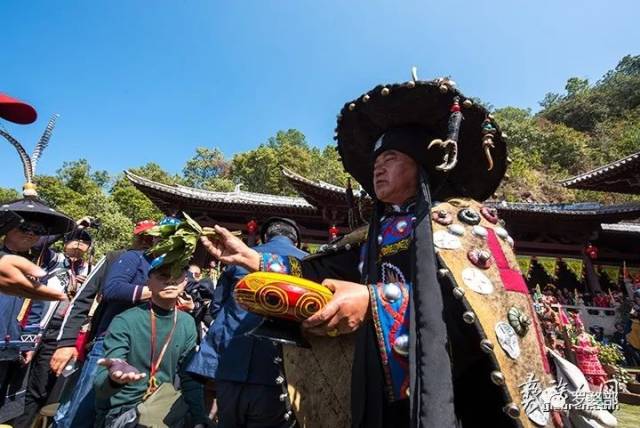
{"x":71,"y":275}
{"x":29,"y":265}
{"x":18,"y":275}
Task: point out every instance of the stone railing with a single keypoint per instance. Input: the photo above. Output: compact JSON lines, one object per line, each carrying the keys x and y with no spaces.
{"x":594,"y":316}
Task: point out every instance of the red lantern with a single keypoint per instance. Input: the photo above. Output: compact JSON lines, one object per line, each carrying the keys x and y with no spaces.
{"x":333,"y":232}
{"x":591,"y":251}
{"x":252,"y":227}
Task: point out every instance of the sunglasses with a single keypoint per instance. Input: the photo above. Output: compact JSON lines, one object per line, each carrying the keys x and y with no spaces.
{"x":35,"y":228}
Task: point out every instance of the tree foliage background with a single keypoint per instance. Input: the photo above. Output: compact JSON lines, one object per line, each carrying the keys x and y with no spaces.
{"x":588,"y":125}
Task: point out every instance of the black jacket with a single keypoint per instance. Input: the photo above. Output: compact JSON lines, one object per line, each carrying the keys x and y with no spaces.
{"x":81,"y":304}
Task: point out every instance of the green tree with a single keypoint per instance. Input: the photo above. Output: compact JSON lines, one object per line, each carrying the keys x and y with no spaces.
{"x":8,"y":195}
{"x":541,"y":153}
{"x":208,"y":170}
{"x":327,"y":166}
{"x":584,"y":106}
{"x":132,"y":202}
{"x":576,"y":86}
{"x":259,"y":170}
{"x":77,"y":191}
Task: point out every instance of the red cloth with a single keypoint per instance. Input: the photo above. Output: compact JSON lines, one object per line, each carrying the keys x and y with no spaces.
{"x":81,"y":345}
{"x":143,"y":225}
{"x":16,"y":111}
{"x":511,"y":278}
{"x":588,"y":362}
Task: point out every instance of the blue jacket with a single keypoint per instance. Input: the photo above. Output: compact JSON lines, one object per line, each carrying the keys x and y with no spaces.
{"x":228,"y":353}
{"x":123,"y":286}
{"x":10,"y":306}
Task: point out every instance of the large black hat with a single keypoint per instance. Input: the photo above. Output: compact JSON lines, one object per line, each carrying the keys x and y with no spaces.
{"x":464,"y":152}
{"x":32,"y":209}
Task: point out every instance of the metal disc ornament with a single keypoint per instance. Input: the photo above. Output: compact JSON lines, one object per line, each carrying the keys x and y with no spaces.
{"x":537,"y":411}
{"x":446,"y":241}
{"x":469,"y":216}
{"x":477,"y":281}
{"x":508,"y":339}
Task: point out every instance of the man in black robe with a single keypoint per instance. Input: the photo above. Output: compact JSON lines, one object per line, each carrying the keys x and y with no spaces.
{"x":415,"y":364}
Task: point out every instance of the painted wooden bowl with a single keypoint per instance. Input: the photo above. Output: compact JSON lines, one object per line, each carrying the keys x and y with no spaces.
{"x":281,"y":296}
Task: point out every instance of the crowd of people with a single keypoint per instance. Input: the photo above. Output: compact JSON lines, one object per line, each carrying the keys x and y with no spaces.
{"x":563,"y":296}
{"x":92,"y":355}
{"x":562,"y":326}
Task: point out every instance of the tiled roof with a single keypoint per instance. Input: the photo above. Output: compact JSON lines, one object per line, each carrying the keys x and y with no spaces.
{"x":622,"y":227}
{"x":621,"y":176}
{"x":575,"y":209}
{"x":236,"y":197}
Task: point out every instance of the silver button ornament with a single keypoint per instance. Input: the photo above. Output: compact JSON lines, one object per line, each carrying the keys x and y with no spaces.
{"x":275,"y":267}
{"x":486,"y":346}
{"x":479,"y":231}
{"x":469,"y":317}
{"x":391,"y":292}
{"x":512,"y":410}
{"x":501,"y":232}
{"x":401,"y":226}
{"x":458,"y":293}
{"x":497,"y":377}
{"x":456,"y":229}
{"x":401,"y":345}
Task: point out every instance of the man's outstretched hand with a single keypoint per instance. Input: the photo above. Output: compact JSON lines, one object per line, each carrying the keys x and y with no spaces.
{"x":15,"y":272}
{"x":120,"y":371}
{"x":230,"y":249}
{"x":344,"y":313}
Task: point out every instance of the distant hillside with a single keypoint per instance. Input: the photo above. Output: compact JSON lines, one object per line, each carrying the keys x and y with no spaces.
{"x":587,"y":126}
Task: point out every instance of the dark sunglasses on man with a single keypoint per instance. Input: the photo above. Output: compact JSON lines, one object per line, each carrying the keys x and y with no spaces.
{"x":34,"y":228}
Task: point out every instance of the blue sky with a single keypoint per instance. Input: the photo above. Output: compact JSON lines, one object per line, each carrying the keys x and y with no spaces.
{"x":138,"y":81}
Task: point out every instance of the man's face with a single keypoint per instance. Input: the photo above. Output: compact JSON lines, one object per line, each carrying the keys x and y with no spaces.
{"x":23,"y":237}
{"x":394,"y":177}
{"x":76,"y":249}
{"x":196,"y":272}
{"x":163,"y":286}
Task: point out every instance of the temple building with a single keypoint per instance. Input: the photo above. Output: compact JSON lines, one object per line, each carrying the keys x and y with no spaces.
{"x":588,"y":247}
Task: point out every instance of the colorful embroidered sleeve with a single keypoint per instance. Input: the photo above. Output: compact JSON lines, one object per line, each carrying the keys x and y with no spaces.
{"x":390,"y":313}
{"x":270,"y":262}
